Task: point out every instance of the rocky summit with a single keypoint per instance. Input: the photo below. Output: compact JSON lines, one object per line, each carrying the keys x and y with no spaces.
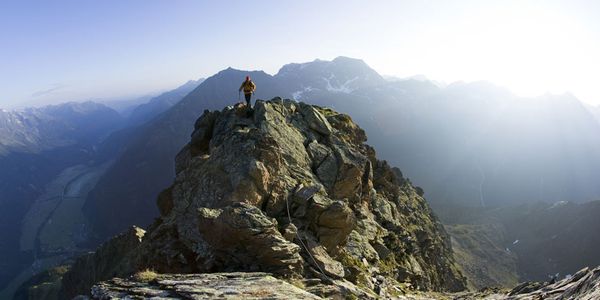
{"x":288,"y":189}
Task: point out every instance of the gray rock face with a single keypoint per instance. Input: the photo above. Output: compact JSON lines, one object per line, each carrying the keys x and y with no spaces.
{"x":246,"y":229}
{"x":291,"y":189}
{"x":315,"y":120}
{"x":201,"y":286}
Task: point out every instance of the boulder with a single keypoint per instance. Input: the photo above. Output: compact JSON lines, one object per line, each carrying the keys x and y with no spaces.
{"x":334,"y":225}
{"x":244,"y":238}
{"x":203,"y":129}
{"x":321,"y":260}
{"x":352,"y":167}
{"x":316,"y":121}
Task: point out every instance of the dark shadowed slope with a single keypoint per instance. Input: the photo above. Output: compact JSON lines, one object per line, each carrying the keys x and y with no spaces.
{"x":534,"y":241}
{"x":38,"y":144}
{"x":552,"y":239}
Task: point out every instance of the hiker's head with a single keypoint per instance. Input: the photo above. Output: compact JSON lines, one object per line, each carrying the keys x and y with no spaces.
{"x":247,"y":78}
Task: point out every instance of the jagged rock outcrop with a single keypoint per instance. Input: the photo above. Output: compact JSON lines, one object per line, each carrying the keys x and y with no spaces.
{"x":291,"y":189}
{"x":584,"y":285}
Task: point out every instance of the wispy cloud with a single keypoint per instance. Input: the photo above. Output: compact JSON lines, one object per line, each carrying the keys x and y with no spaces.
{"x":55,"y":87}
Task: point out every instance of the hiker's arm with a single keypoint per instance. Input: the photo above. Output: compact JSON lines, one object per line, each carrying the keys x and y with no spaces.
{"x":241,"y":87}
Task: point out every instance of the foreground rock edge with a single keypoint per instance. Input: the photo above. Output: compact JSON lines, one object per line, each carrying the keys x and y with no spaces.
{"x":584,"y":285}
{"x":201,"y":286}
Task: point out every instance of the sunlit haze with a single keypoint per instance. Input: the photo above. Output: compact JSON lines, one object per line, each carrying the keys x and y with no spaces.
{"x":56,"y":51}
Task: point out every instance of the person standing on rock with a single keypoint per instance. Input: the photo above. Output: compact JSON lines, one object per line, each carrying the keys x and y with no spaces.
{"x":248,"y":87}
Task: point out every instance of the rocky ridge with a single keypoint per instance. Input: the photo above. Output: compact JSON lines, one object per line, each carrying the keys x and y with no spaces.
{"x":583,"y":285}
{"x":289,"y":189}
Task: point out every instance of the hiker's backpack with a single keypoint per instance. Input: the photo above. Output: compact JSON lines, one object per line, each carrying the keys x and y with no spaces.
{"x":248,"y":86}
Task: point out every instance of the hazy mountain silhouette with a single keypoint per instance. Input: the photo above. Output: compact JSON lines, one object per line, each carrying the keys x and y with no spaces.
{"x":470,"y":143}
{"x":37,"y":129}
{"x":595,"y":110}
{"x":161,"y":103}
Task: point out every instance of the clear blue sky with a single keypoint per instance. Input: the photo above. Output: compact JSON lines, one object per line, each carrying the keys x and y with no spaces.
{"x":55,"y":51}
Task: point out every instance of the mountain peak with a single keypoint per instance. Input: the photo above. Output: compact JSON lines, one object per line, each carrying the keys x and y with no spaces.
{"x":290,"y":189}
{"x":346,"y":59}
{"x":340,"y":61}
{"x":236,"y":74}
{"x":342,"y":75}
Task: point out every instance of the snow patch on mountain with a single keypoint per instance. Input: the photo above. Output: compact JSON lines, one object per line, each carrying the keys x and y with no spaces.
{"x":344,"y":88}
{"x":558,"y":204}
{"x":297,"y":95}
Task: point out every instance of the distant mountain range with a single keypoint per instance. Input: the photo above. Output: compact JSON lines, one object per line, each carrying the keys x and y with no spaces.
{"x":157,"y":105}
{"x":38,"y":129}
{"x":473,"y":144}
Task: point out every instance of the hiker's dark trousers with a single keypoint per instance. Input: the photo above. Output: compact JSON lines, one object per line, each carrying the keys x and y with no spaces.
{"x":248,"y":99}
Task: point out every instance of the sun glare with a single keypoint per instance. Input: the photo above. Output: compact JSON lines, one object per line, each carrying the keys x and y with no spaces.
{"x":529,"y":49}
{"x":539,"y":53}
